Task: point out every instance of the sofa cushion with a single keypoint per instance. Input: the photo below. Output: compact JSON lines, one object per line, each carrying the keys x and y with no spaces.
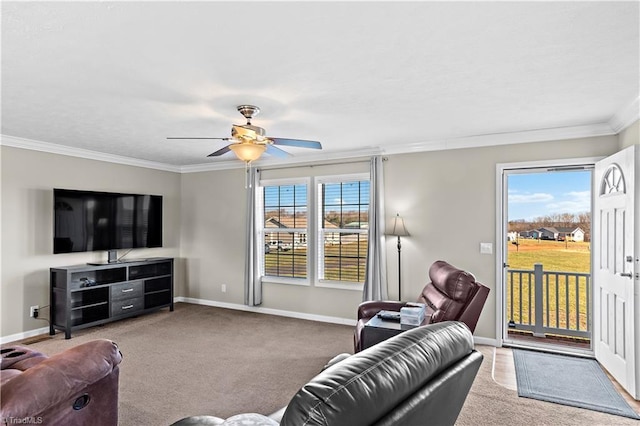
{"x":247,"y":419}
{"x":363,"y":388}
{"x":19,"y":357}
{"x":16,"y":359}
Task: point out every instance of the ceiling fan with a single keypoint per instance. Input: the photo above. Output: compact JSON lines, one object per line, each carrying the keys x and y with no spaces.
{"x":249,"y":142}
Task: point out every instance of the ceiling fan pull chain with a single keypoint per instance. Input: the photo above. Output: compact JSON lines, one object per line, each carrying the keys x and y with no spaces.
{"x":247,"y":184}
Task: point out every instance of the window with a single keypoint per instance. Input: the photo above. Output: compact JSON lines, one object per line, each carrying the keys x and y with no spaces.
{"x":285,"y":230}
{"x":315,"y":233}
{"x":343,"y":218}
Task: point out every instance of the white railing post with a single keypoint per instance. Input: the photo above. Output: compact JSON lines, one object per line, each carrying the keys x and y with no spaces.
{"x":538,"y":277}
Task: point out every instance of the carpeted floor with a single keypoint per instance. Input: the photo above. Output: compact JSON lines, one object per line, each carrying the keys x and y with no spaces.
{"x":205,"y":360}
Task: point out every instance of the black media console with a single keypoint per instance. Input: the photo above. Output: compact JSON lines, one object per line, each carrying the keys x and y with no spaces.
{"x":87,"y":295}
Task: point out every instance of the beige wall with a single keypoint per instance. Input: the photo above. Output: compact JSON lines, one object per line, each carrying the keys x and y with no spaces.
{"x":213,"y":233}
{"x":28,"y":178}
{"x":630,"y":135}
{"x":448,"y":199}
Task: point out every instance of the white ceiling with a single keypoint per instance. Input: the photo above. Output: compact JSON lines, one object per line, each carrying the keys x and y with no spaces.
{"x":119,"y":77}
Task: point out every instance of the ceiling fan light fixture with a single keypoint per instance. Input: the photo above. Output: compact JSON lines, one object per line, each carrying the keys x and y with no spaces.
{"x":247,"y":151}
{"x":249,"y":142}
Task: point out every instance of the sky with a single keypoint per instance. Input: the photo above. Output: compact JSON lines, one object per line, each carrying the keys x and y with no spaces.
{"x":533,"y":195}
{"x":352,"y":196}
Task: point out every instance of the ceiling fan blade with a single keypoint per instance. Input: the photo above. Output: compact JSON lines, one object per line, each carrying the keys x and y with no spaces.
{"x":277,"y":152}
{"x":222,"y":139}
{"x":296,"y":142}
{"x":220,"y":152}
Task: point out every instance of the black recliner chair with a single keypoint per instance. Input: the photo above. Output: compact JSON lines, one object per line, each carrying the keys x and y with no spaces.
{"x":421,"y":376}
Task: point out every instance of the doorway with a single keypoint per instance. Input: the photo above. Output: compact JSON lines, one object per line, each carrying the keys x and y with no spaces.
{"x":546,"y":256}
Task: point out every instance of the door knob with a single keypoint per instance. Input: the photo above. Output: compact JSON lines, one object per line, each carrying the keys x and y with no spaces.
{"x":626,"y":274}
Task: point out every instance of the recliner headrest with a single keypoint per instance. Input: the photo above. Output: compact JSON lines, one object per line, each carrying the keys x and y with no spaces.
{"x":453,"y":282}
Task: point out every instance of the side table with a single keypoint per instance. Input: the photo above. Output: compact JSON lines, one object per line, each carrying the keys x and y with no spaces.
{"x":377,"y":330}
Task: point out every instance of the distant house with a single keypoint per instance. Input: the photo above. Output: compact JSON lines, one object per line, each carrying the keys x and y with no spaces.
{"x":534,"y":234}
{"x":571,"y":233}
{"x":558,"y":233}
{"x":281,"y":232}
{"x":548,"y":233}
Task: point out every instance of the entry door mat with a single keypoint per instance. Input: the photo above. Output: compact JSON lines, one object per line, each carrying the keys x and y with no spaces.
{"x":568,"y":380}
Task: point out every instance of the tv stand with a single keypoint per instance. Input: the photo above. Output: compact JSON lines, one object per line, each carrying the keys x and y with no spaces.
{"x":86,"y":295}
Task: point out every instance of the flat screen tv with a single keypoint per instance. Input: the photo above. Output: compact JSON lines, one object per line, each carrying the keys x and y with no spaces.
{"x":92,"y":221}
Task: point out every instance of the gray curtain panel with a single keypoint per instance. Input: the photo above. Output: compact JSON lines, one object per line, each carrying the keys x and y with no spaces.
{"x":252,"y":282}
{"x":375,"y":282}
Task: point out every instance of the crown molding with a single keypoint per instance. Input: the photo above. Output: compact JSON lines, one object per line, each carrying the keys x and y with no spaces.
{"x":626,"y":116}
{"x":620,"y":121}
{"x":52,"y":148}
{"x":496,"y":139}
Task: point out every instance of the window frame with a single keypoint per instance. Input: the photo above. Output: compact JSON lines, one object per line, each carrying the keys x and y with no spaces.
{"x":263,"y":230}
{"x":319,"y":265}
{"x":314,"y":230}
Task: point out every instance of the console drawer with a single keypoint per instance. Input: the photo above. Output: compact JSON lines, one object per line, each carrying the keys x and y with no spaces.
{"x":127,"y":306}
{"x":128,"y":290}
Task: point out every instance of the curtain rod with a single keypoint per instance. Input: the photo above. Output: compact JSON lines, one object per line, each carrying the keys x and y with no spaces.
{"x":311,"y":165}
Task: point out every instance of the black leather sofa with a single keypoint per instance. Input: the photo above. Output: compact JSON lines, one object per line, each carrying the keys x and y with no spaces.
{"x":421,"y":376}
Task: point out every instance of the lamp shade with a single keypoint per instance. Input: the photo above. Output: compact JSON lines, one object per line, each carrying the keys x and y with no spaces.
{"x":247,"y":151}
{"x":398,"y":229}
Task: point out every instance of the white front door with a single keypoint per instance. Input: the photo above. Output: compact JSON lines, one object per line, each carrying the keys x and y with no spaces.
{"x":615,"y":262}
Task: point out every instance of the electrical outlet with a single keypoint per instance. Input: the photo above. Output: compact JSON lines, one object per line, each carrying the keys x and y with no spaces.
{"x":223,"y":288}
{"x":33,"y":311}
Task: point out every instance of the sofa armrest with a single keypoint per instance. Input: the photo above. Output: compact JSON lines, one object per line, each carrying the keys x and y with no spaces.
{"x":472,"y":312}
{"x":58,"y":378}
{"x":370,"y":308}
{"x":336,"y":359}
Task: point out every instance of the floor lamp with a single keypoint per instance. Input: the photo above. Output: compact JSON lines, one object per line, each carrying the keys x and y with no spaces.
{"x":399,"y":230}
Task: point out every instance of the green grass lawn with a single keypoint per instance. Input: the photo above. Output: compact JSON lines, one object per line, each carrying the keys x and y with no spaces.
{"x":571,"y":298}
{"x":554,"y":255}
{"x":342,"y":262}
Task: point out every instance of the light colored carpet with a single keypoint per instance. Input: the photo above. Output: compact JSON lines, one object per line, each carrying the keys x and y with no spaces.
{"x":205,"y":360}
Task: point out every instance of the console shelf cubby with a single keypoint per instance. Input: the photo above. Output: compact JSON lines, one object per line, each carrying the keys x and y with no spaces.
{"x":87,"y":295}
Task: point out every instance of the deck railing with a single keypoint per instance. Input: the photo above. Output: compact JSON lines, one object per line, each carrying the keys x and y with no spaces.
{"x":549,"y":302}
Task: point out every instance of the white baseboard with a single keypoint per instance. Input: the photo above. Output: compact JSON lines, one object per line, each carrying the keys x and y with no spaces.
{"x":321,"y":318}
{"x":258,"y":309}
{"x":485,"y":341}
{"x":269,"y":311}
{"x":24,"y":335}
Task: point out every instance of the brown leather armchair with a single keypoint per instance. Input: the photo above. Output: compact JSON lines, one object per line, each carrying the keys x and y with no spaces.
{"x":451,"y":295}
{"x":76,"y":387}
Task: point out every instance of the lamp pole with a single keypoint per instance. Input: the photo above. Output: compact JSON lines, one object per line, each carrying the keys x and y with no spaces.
{"x":399,"y":230}
{"x":399,"y":271}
